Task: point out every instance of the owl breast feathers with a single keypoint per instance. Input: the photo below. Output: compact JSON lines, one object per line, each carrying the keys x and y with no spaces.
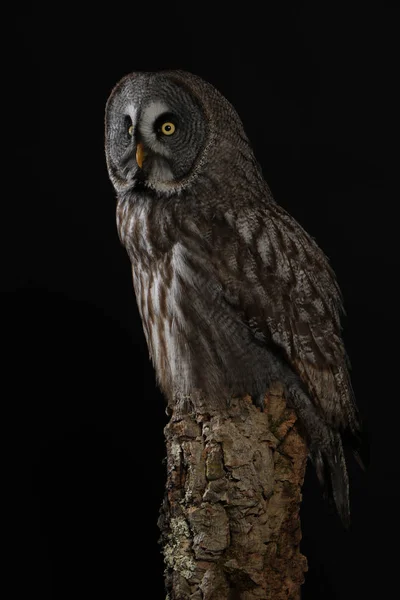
{"x":232,"y":292}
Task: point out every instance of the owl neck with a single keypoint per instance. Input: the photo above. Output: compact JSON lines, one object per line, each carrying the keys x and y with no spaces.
{"x":226,"y":181}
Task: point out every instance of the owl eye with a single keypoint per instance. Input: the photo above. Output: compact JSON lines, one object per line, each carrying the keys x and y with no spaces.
{"x":167,"y":128}
{"x":131,"y":129}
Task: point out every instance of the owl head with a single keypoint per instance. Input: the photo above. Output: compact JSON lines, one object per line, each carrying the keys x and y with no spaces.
{"x":164,"y":129}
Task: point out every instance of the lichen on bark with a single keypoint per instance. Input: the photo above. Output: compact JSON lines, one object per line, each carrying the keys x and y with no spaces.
{"x":229,"y":522}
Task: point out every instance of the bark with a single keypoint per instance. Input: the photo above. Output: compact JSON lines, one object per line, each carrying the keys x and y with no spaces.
{"x":230,"y":527}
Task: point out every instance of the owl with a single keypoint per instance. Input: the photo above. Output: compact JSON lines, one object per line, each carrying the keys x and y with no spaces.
{"x":233,"y":293}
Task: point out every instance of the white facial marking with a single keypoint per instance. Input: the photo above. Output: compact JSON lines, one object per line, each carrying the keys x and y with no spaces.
{"x":131,"y":111}
{"x":160,"y":171}
{"x":151,"y":114}
{"x":146,"y":126}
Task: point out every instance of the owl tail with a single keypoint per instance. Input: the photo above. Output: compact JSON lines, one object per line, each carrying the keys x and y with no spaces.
{"x":325,"y":450}
{"x":332,"y":474}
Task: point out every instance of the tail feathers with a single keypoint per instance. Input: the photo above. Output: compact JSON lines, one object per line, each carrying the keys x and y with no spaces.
{"x":330,"y":466}
{"x":326,"y":450}
{"x":359,"y":444}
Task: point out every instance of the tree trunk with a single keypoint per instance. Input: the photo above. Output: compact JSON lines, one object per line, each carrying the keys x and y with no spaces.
{"x":230,"y":527}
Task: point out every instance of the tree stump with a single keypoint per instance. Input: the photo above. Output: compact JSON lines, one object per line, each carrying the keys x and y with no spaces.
{"x":230,"y":527}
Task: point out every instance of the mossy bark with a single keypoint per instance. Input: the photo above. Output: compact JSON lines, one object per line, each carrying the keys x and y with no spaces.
{"x":230,"y":527}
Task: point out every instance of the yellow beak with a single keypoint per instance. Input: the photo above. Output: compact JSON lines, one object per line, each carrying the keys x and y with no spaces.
{"x":140,"y":154}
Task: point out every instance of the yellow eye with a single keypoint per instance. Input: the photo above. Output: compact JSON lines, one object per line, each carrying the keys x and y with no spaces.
{"x":168,"y":128}
{"x":131,"y":130}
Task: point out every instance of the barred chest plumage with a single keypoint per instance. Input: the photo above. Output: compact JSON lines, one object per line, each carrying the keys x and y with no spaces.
{"x":194,"y":338}
{"x":141,"y":230}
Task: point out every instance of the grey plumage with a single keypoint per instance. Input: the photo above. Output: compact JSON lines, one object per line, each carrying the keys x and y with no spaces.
{"x":232,"y":292}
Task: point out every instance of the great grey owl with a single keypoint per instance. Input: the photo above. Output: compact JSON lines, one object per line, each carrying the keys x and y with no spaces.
{"x":232,"y":292}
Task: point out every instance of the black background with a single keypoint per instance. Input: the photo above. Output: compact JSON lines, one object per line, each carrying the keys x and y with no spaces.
{"x":315,"y":88}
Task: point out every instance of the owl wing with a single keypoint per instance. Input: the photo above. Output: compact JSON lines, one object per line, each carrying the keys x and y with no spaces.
{"x":283,"y":286}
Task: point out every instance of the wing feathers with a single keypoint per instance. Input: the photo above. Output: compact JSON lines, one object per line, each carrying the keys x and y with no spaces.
{"x":282,"y":284}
